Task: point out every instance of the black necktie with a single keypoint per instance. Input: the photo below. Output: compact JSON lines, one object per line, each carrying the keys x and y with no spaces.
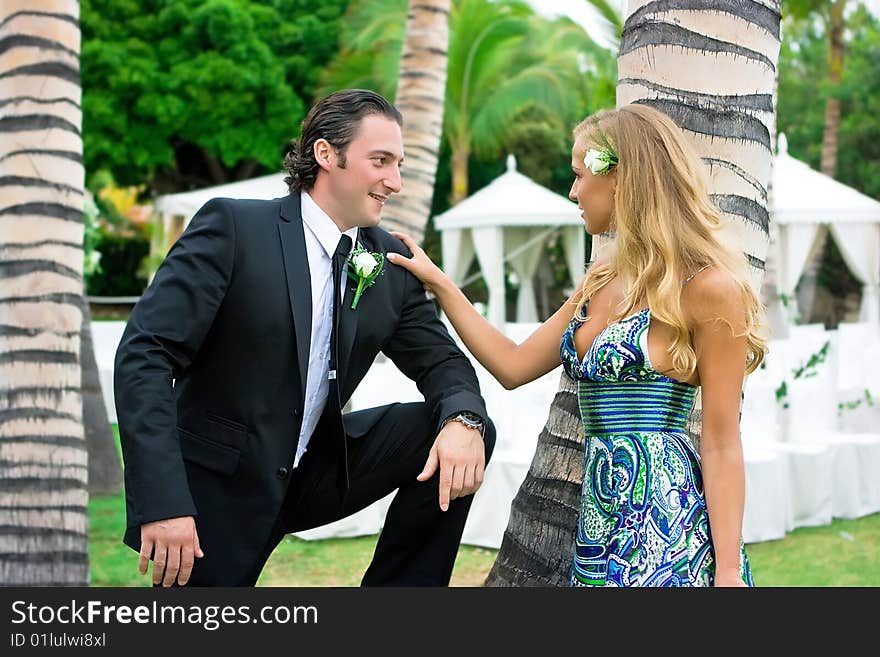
{"x":334,"y":403}
{"x":342,"y":251}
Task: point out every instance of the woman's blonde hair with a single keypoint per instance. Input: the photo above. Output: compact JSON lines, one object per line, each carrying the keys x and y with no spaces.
{"x":666,"y":226}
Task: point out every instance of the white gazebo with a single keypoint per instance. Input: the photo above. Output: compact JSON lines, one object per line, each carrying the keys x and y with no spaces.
{"x":805,"y":203}
{"x":176,"y":210}
{"x":188,"y":203}
{"x":510,"y":220}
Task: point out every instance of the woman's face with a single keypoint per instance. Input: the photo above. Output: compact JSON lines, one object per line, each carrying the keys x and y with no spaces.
{"x":594,"y":193}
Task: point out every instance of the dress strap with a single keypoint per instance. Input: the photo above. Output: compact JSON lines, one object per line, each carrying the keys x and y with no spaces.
{"x":688,"y":279}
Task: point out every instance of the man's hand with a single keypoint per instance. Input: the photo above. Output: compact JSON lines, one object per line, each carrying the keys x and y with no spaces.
{"x":461,"y":455}
{"x":173,"y":543}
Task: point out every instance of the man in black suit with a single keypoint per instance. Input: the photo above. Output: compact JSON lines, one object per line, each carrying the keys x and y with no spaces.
{"x":234,"y":367}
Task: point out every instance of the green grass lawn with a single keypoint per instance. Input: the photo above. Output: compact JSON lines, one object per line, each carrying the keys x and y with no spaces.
{"x":845,"y":553}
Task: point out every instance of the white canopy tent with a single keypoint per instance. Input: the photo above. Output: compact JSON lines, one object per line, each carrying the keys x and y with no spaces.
{"x":804,"y":204}
{"x":186,"y":204}
{"x":510,"y":220}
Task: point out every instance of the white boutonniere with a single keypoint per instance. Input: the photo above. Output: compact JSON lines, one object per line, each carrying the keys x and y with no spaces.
{"x":364,"y":267}
{"x":599,"y":162}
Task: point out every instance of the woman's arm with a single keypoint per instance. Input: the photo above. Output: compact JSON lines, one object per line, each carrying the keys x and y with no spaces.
{"x":510,"y":363}
{"x":714,"y":303}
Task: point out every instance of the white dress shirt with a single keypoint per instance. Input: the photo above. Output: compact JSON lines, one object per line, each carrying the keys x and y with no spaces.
{"x":322,"y":238}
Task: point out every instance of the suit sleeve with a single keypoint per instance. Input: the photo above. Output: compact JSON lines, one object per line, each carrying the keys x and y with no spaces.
{"x":163,"y":335}
{"x":423,"y":350}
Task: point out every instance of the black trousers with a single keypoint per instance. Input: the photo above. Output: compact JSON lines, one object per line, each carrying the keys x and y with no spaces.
{"x":419,"y":542}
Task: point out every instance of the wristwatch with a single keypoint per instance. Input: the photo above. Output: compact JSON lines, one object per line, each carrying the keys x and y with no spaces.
{"x":468,"y":419}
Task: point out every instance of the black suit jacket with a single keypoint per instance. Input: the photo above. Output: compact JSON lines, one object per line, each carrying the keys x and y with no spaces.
{"x":228,"y":318}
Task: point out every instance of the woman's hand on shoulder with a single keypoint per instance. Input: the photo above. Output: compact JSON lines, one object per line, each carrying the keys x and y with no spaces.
{"x":420,"y":265}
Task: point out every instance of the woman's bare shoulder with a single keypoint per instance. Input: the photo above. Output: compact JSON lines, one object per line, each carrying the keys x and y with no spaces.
{"x":714,"y":294}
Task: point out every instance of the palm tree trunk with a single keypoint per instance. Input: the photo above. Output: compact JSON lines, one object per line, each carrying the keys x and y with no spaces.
{"x":460,"y":155}
{"x":43,"y":460}
{"x":696,"y":62}
{"x":771,"y":294}
{"x":105,"y":468}
{"x":421,"y":92}
{"x":832,"y":103}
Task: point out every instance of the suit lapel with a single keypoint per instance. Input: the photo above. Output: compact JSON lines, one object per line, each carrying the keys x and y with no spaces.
{"x":299,"y":282}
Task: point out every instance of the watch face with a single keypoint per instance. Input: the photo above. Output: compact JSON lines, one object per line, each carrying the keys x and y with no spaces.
{"x":471,"y":419}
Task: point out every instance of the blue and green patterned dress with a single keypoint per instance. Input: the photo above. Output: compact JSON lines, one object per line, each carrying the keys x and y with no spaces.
{"x":643,"y":518}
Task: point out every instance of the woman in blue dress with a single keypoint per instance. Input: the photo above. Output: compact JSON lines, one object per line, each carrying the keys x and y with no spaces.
{"x":666,"y":309}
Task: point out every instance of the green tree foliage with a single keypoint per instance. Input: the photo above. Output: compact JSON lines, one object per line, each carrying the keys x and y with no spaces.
{"x":516,"y":83}
{"x":803,"y":88}
{"x":182,"y":93}
{"x":859,"y":164}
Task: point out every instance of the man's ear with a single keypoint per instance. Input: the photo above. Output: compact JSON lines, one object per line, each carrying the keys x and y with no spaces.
{"x":323,"y":152}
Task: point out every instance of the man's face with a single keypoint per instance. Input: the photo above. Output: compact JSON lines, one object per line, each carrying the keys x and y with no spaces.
{"x":371,"y":173}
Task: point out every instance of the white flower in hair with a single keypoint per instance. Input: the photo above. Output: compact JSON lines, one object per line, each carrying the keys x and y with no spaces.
{"x":599,"y":162}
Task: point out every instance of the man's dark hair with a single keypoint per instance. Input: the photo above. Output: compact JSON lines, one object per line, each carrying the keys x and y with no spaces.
{"x":336,"y":118}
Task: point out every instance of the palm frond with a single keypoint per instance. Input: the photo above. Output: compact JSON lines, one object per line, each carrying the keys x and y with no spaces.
{"x":371,"y":41}
{"x":612,"y":14}
{"x":536,"y":87}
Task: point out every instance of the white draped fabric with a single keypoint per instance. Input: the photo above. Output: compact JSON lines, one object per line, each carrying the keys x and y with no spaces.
{"x":575,"y":245}
{"x":859,"y":244}
{"x":458,"y":253}
{"x":490,"y":255}
{"x":797,"y":243}
{"x":525,"y":264}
